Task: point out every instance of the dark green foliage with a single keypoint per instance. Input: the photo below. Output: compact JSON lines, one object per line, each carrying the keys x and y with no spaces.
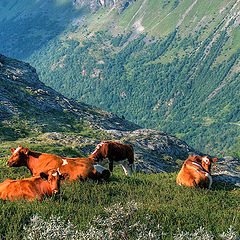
{"x":181,"y":96}
{"x":30,"y":31}
{"x":176,"y":83}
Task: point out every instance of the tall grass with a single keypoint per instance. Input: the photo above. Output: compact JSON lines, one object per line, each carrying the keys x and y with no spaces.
{"x":143,"y":206}
{"x":162,"y":207}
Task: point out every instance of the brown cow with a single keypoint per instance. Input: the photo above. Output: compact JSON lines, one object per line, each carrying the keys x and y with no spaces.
{"x":75,"y":168}
{"x":115,"y":153}
{"x":31,"y":188}
{"x":196,"y":172}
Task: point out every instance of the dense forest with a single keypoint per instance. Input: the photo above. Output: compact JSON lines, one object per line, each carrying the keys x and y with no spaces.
{"x":179,"y":94}
{"x":169,"y":65}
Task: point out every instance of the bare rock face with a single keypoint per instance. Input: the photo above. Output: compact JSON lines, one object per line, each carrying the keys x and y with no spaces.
{"x":94,"y":5}
{"x":227,"y":170}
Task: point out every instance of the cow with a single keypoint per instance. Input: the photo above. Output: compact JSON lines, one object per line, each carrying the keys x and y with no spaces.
{"x":31,"y":188}
{"x":196,"y":171}
{"x":71,"y":168}
{"x":115,"y":154}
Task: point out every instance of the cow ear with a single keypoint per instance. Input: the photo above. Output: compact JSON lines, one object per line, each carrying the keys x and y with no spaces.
{"x":214,"y":160}
{"x":44,"y":176}
{"x":25,"y":151}
{"x":13,"y":150}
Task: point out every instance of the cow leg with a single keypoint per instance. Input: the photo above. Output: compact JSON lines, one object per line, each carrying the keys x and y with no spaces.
{"x":132,"y":167}
{"x":127,"y":169}
{"x":110,"y":165}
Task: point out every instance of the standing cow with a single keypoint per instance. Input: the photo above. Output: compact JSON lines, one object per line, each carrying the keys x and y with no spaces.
{"x":196,"y":171}
{"x":74,"y":168}
{"x":115,"y":154}
{"x":31,"y":188}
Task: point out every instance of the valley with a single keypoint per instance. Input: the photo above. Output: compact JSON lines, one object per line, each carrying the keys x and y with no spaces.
{"x":172,"y":66}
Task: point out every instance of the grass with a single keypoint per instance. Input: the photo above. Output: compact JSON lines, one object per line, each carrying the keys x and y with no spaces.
{"x":166,"y":204}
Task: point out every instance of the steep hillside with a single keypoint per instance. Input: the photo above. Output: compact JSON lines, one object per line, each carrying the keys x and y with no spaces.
{"x":171,"y":65}
{"x":36,"y":116}
{"x":143,"y":206}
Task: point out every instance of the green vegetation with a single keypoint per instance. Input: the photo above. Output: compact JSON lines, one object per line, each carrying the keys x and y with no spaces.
{"x":181,"y":75}
{"x":162,"y":207}
{"x":152,"y":88}
{"x":161,"y":199}
{"x":158,"y":204}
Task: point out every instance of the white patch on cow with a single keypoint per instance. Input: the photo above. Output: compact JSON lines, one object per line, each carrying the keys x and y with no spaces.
{"x":65,"y":162}
{"x":179,"y":184}
{"x":99,"y":168}
{"x":210,"y":179}
{"x":54,"y":174}
{"x":197,"y":164}
{"x":206,"y":160}
{"x":59,"y":171}
{"x":17,"y":150}
{"x":98,"y":146}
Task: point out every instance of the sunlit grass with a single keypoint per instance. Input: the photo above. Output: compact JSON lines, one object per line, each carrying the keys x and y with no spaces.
{"x":166,"y":203}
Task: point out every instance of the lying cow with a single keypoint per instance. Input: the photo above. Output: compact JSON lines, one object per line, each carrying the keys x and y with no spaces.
{"x":196,"y":172}
{"x":31,"y":188}
{"x":115,"y":154}
{"x":73,"y":168}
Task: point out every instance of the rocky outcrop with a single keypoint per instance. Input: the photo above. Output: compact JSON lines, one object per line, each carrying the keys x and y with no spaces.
{"x":94,"y":5}
{"x":227,"y":170}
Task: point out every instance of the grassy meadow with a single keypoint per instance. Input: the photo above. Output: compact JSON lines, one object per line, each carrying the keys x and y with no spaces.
{"x":143,"y":206}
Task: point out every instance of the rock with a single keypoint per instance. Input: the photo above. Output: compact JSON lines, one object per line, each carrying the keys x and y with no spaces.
{"x":94,"y":5}
{"x":227,"y":170}
{"x":31,"y":97}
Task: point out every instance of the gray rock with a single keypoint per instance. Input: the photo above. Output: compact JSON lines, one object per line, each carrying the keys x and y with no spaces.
{"x":227,"y":169}
{"x":94,"y":5}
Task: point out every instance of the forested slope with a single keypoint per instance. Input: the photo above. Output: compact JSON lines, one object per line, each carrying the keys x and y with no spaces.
{"x":171,"y":65}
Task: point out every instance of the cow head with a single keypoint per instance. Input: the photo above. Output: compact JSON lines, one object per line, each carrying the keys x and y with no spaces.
{"x":19,"y":157}
{"x":53,"y":177}
{"x":207,"y":162}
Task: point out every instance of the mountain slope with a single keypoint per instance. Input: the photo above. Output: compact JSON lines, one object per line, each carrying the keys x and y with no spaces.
{"x":38,"y":117}
{"x":34,"y":115}
{"x":171,"y":65}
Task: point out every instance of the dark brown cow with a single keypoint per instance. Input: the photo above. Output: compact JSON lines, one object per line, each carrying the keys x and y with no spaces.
{"x":31,"y":188}
{"x":196,"y":172}
{"x":115,"y":153}
{"x":74,"y":168}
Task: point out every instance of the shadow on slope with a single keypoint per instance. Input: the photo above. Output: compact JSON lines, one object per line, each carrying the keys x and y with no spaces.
{"x":27,"y":29}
